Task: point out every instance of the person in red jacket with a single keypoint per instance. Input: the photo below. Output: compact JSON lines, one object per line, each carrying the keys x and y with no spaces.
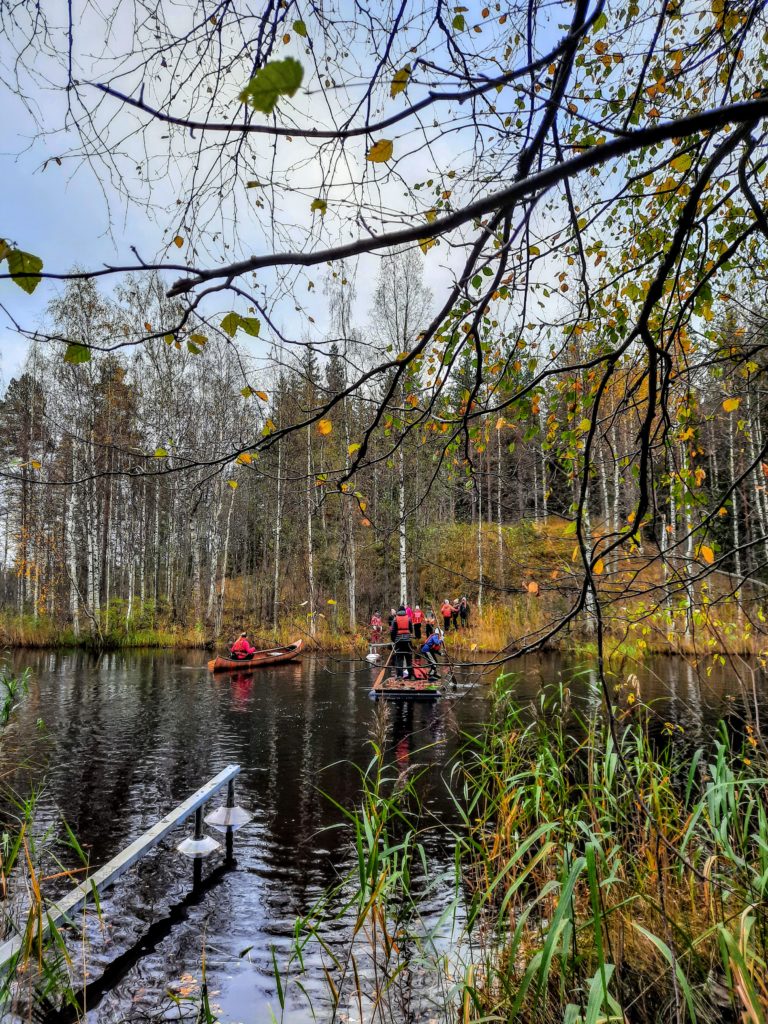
{"x":241,"y":649}
{"x":418,"y":619}
{"x":376,"y":627}
{"x":446,"y":611}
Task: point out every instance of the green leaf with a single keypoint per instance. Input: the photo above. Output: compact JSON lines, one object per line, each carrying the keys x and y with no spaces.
{"x":230,"y":323}
{"x":300,"y":29}
{"x":23,"y":263}
{"x":251,"y":325}
{"x":458,"y":22}
{"x":193,"y":348}
{"x":319,"y":204}
{"x":77,"y":353}
{"x":277,"y":78}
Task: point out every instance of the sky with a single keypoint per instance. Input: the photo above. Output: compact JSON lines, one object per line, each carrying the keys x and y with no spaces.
{"x":72,"y":215}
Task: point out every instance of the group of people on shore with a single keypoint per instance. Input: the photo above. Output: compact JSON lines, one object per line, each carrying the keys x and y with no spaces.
{"x":407,"y":624}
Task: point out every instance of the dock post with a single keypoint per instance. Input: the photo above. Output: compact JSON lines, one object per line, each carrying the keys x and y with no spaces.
{"x":229,"y":845}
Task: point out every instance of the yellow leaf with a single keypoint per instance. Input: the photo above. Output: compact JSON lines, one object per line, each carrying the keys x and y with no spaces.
{"x":325,"y":427}
{"x":331,"y":601}
{"x":425,"y":244}
{"x":380,"y":151}
{"x":707,"y":554}
{"x":244,"y":458}
{"x":178,"y":241}
{"x":35,"y":464}
{"x":352,"y":448}
{"x":599,"y":567}
{"x":262,"y":395}
{"x":534,"y":250}
{"x":731,"y":404}
{"x":232,"y":484}
{"x":500,"y":423}
{"x":431,"y":216}
{"x":400,"y":81}
{"x":601,"y":46}
{"x":682,"y":162}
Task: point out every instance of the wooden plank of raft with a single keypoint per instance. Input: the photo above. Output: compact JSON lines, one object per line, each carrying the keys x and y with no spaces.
{"x":59,"y":912}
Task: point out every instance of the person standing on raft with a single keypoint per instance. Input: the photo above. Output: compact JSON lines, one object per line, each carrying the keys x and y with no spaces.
{"x":241,"y":648}
{"x":401,"y":632}
{"x":433,"y":646}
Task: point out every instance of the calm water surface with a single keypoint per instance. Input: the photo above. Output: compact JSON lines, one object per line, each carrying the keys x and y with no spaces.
{"x":117,"y":742}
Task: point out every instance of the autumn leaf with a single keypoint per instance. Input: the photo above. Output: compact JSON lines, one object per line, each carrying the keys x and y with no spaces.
{"x":320,"y":205}
{"x":731,"y":404}
{"x":233,"y":484}
{"x":244,"y":458}
{"x":707,"y":554}
{"x":161,"y":453}
{"x":178,"y":241}
{"x":352,"y":448}
{"x":35,"y":464}
{"x":400,"y":81}
{"x":598,"y":568}
{"x":380,"y":151}
{"x":431,"y":216}
{"x":425,"y":244}
{"x":533,"y":588}
{"x":331,"y":601}
{"x":682,"y":162}
{"x":500,"y":423}
{"x":325,"y":427}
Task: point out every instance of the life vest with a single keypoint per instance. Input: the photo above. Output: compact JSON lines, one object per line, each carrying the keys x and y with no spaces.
{"x":418,"y":616}
{"x":402,"y":625}
{"x":447,"y":610}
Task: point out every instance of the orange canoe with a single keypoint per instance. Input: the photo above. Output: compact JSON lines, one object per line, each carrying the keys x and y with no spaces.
{"x":258,"y":660}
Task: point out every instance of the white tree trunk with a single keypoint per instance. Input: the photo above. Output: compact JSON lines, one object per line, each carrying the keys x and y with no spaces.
{"x":310,"y":541}
{"x":401,"y":524}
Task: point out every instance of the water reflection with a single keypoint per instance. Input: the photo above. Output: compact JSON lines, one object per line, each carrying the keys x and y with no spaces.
{"x":127,"y":737}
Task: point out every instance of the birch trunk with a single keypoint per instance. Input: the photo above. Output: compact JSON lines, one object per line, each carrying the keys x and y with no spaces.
{"x":310,"y":543}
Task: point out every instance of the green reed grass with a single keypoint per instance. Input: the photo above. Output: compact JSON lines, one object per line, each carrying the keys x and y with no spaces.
{"x":596,"y":878}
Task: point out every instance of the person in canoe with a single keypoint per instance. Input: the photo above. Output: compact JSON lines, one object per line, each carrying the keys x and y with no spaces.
{"x":241,"y":649}
{"x":430,"y":649}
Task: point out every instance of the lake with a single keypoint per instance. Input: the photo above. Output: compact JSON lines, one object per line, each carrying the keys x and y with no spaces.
{"x":117,"y":742}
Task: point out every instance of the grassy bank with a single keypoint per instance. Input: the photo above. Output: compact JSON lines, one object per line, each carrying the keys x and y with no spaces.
{"x":44,"y":632}
{"x":531,"y":582}
{"x":598,"y":878}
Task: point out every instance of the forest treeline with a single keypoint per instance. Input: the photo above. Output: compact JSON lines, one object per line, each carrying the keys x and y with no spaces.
{"x":123,"y":506}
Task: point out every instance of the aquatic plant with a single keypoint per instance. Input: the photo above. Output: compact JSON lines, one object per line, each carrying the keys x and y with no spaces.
{"x":595,"y":879}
